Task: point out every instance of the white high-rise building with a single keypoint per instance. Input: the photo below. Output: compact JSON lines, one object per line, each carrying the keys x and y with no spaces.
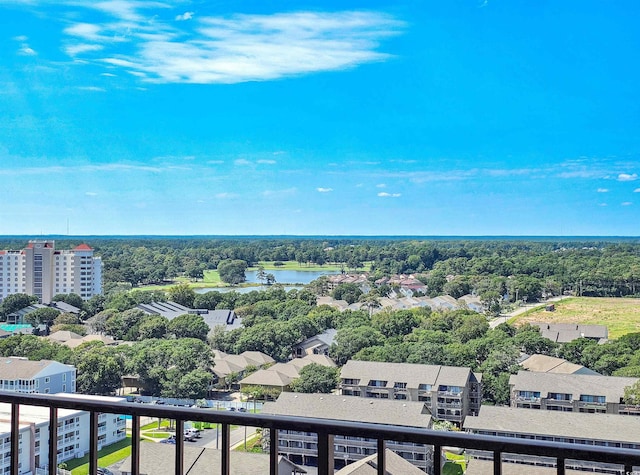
{"x":41,"y":270}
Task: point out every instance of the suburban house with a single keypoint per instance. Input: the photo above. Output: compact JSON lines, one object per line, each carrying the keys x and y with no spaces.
{"x":214,"y":318}
{"x":226,"y":364}
{"x":448,"y":392}
{"x":608,"y":430}
{"x":301,"y":447}
{"x":24,"y":376}
{"x":551,"y":364}
{"x":73,"y":340}
{"x":279,"y":377}
{"x":17,"y":317}
{"x":571,"y":393}
{"x":566,"y":332}
{"x":316,"y":345}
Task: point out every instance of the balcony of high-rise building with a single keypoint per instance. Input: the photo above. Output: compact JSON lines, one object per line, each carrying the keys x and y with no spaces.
{"x":324,"y":432}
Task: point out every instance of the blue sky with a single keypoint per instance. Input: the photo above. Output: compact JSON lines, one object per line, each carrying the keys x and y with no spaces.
{"x":457,"y":117}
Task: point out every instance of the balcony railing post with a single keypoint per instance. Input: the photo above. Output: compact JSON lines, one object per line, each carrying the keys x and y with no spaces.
{"x":15,"y":438}
{"x":226,"y":450}
{"x":437,"y":459}
{"x":273,"y":451}
{"x":179,"y":447}
{"x":560,"y":465}
{"x":325,"y":453}
{"x":93,"y":442}
{"x":382,"y":457}
{"x":53,"y":440}
{"x":497,"y":463}
{"x":135,"y":445}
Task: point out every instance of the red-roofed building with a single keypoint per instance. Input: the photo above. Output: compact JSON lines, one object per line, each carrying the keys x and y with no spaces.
{"x":40,"y":270}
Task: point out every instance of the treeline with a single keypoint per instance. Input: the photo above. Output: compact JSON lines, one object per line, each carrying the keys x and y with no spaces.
{"x":587,"y":268}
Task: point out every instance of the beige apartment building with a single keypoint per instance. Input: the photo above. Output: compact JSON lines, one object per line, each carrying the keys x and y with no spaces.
{"x":41,"y":270}
{"x":449,"y":393}
{"x":571,"y":393}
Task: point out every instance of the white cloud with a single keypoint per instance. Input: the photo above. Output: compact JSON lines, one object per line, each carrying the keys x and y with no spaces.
{"x":626,"y":203}
{"x":324,"y":190}
{"x":627,"y":177}
{"x":267,"y":162}
{"x":637,"y":190}
{"x":383,"y":194}
{"x":76,"y":49}
{"x":88,"y":31}
{"x":381,"y":185}
{"x":225,"y":195}
{"x":231,"y":49}
{"x":215,"y":162}
{"x":91,"y":88}
{"x":603,"y":190}
{"x":109,"y":75}
{"x":21,"y":38}
{"x":287,"y":191}
{"x":91,"y":193}
{"x":242,"y":162}
{"x":603,"y":204}
{"x":25,"y":50}
{"x":185,"y":16}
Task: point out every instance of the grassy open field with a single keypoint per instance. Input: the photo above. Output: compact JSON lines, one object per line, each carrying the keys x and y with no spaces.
{"x":107,"y":456}
{"x":620,"y":315}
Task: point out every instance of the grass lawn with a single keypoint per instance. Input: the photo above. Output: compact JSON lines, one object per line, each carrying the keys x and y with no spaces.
{"x":254,"y":445}
{"x":107,"y":456}
{"x":154,"y":425}
{"x":620,"y":315}
{"x":451,"y":468}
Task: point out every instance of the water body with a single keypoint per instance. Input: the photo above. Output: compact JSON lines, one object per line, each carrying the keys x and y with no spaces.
{"x":289,"y":276}
{"x":288,"y":279}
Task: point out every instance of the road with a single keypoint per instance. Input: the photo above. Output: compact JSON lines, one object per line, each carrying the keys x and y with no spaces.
{"x":520,"y":310}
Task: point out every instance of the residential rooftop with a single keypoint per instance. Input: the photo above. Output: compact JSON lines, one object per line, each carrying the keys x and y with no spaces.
{"x":412,"y":374}
{"x":569,"y":425}
{"x":551,"y":364}
{"x":333,"y":406}
{"x":612,"y":387}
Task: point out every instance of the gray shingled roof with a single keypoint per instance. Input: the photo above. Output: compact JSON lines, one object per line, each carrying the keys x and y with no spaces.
{"x":332,"y":406}
{"x":17,"y":368}
{"x":612,"y":387}
{"x":485,"y":467}
{"x":412,"y":374}
{"x":159,"y":459}
{"x":394,"y":465}
{"x":550,"y":364}
{"x":553,"y":423}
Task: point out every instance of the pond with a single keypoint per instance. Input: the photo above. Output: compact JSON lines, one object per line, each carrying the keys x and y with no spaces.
{"x":289,"y":276}
{"x":284,"y":277}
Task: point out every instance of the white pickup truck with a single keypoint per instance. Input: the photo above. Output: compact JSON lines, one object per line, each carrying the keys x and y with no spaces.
{"x":191,"y":434}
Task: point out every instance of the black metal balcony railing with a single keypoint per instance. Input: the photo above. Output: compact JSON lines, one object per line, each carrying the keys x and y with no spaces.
{"x":324,"y":428}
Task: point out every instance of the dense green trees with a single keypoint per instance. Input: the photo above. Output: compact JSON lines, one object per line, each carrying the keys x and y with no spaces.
{"x":232,"y":271}
{"x":182,"y":294}
{"x":315,"y":378}
{"x":188,"y":326}
{"x":14,"y":302}
{"x":42,"y":316}
{"x":347,"y":292}
{"x":172,"y":367}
